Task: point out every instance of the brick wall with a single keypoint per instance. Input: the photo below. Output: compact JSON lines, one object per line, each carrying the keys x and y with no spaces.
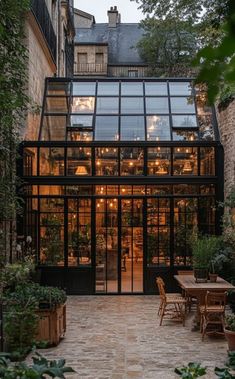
{"x":226,"y":121}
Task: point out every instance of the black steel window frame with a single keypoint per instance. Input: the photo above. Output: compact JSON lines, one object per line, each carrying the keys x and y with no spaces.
{"x":144,"y":96}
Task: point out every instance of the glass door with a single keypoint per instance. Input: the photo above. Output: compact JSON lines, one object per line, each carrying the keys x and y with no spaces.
{"x":107,"y":245}
{"x":119,"y":245}
{"x":131,"y":245}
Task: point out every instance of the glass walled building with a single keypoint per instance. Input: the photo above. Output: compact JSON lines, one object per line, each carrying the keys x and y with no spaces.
{"x":123,"y":172}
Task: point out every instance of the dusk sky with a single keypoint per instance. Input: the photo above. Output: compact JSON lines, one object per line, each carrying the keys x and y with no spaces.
{"x":98,"y":8}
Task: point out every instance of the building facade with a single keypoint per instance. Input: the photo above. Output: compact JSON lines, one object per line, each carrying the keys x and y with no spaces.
{"x":123,"y":172}
{"x":49,"y":35}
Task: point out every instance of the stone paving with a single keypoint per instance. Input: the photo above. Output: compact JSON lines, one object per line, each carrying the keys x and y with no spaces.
{"x":119,"y":337}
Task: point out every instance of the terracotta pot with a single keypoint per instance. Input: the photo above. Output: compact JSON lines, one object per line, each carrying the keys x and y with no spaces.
{"x":213,"y":277}
{"x":230,"y":337}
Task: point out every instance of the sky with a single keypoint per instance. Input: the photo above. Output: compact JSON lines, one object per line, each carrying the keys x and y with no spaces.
{"x":98,"y":8}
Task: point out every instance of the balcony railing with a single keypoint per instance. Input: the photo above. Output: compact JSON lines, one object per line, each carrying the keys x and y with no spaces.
{"x":90,"y":68}
{"x":42,"y":16}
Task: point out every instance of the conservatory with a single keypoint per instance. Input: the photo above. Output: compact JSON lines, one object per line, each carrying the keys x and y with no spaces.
{"x":123,"y":173}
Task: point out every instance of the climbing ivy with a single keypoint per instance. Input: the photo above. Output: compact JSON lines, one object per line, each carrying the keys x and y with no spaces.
{"x":14,"y":102}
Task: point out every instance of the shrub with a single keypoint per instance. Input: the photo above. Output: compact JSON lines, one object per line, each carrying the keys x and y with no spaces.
{"x":41,"y":368}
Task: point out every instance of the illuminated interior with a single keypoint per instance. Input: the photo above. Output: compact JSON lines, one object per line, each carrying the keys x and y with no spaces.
{"x":123,"y":172}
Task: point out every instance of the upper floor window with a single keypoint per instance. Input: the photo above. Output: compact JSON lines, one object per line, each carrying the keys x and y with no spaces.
{"x":99,"y":58}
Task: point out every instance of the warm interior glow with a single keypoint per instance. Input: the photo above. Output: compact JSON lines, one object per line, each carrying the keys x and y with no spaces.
{"x":81,"y":170}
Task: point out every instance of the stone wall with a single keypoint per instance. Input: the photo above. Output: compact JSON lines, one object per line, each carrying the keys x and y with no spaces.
{"x":226,"y":121}
{"x":40,"y":65}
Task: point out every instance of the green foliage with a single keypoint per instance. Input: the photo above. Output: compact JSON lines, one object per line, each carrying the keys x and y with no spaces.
{"x":40,"y":294}
{"x":20,"y":324}
{"x":51,"y":241}
{"x":16,"y":274}
{"x":191,"y":371}
{"x":167,"y":46}
{"x":204,"y":249}
{"x":230,"y":322}
{"x":213,"y":25}
{"x":40,"y":369}
{"x":20,"y":319}
{"x":13,"y":99}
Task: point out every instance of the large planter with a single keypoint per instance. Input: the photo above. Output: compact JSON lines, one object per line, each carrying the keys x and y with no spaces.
{"x":201,"y":275}
{"x":230,"y":337}
{"x":51,"y":325}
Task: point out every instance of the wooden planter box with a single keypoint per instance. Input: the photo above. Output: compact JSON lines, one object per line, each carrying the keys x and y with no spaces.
{"x":51,"y":325}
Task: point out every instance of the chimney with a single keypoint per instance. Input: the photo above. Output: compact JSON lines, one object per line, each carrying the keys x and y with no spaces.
{"x":114,"y":17}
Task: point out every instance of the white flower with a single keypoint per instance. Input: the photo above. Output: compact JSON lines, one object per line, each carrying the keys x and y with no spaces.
{"x":18,"y":248}
{"x":28,"y":239}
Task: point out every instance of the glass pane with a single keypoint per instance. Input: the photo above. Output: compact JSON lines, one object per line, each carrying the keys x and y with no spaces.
{"x":207,"y":209}
{"x":84,"y":88}
{"x":178,"y":88}
{"x":132,"y":160}
{"x":51,"y":161}
{"x":81,"y":121}
{"x":156,"y":88}
{"x":158,"y":128}
{"x":83,"y":104}
{"x":184,"y":121}
{"x":185,"y":189}
{"x":207,"y":156}
{"x":157,"y":105}
{"x":107,"y":105}
{"x":182,"y":105}
{"x":51,"y":190}
{"x":54,"y":128}
{"x":185,"y":221}
{"x":159,"y":190}
{"x":79,"y":232}
{"x":105,"y":88}
{"x":132,"y":105}
{"x":52,"y":233}
{"x":132,"y":128}
{"x":30,"y":161}
{"x":185,"y":161}
{"x":57,"y":105}
{"x":106,"y":161}
{"x":180,"y":135}
{"x":106,"y":128}
{"x":78,"y":161}
{"x":128,"y":88}
{"x":79,"y":136}
{"x":58,"y":88}
{"x":159,"y":161}
{"x":79,"y":190}
{"x":206,"y":130}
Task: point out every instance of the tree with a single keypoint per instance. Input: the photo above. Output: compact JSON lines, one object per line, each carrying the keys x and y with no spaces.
{"x":167,"y":46}
{"x":213,"y":24}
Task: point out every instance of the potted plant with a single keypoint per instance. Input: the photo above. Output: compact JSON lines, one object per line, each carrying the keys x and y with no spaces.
{"x":203,"y":250}
{"x":222,"y":256}
{"x":231,"y":299}
{"x":229,"y":331}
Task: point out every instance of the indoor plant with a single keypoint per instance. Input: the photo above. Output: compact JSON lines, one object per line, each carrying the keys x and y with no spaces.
{"x":229,"y":331}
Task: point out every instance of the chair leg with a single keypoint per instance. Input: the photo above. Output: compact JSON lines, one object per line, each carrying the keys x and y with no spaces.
{"x":162,"y":313}
{"x":160,"y":307}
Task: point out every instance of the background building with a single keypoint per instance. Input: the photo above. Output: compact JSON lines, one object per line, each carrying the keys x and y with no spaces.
{"x":49,"y":33}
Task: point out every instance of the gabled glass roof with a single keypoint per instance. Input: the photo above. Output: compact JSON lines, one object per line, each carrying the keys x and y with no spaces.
{"x":125,"y":110}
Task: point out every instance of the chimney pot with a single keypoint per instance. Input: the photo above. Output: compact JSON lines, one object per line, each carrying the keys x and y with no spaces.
{"x":113,"y":17}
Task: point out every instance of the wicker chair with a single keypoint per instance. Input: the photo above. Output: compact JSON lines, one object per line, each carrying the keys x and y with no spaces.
{"x":212,"y":313}
{"x":172,"y":306}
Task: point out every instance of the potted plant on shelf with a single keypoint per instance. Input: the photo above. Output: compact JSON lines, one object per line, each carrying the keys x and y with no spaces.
{"x":229,"y":331}
{"x":203,"y":250}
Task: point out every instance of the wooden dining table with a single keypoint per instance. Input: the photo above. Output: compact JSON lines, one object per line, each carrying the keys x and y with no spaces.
{"x":199,"y":290}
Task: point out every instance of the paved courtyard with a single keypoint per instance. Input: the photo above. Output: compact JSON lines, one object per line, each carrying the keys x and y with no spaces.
{"x":118,"y":337}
